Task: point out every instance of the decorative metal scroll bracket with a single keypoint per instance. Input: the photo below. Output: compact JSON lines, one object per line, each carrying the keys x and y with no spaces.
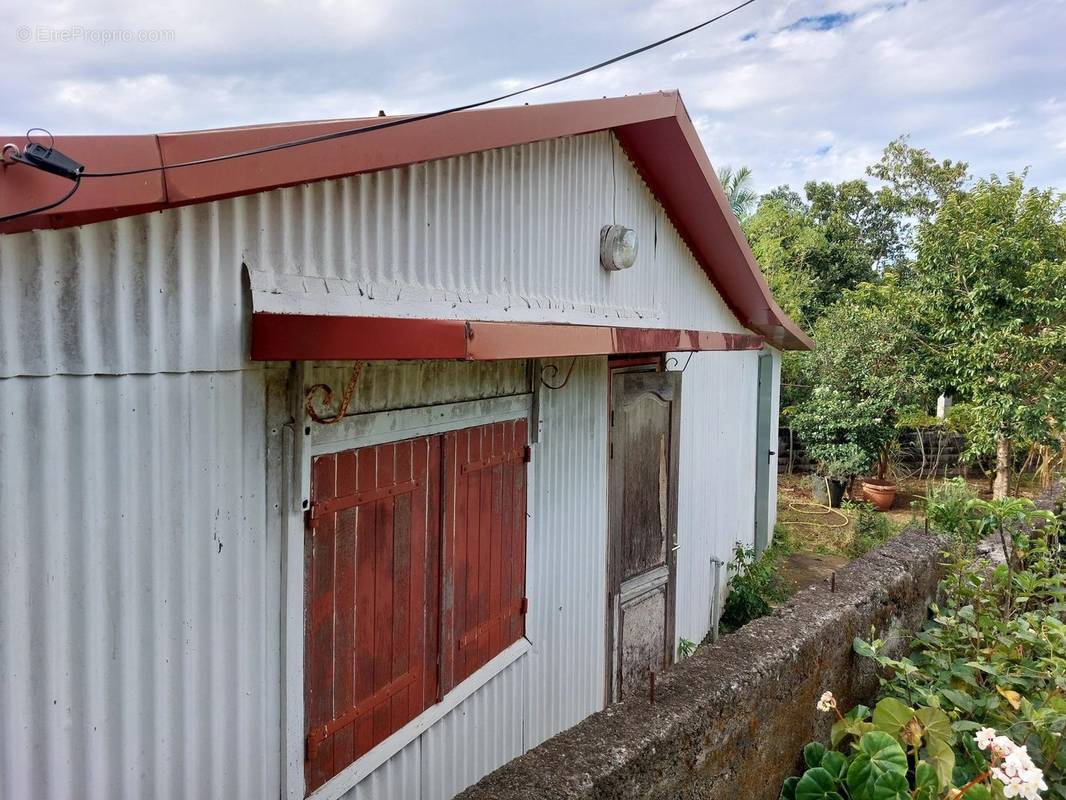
{"x":550,"y":372}
{"x":327,"y":398}
{"x":676,"y":362}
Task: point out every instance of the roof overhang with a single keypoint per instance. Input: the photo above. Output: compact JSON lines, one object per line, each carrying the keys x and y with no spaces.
{"x":327,"y":337}
{"x":654,"y":129}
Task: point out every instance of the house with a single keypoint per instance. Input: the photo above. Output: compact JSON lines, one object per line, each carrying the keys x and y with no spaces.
{"x":358,"y":468}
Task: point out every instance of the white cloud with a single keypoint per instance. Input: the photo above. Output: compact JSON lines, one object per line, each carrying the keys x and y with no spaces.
{"x":795,"y":89}
{"x":985,"y":128}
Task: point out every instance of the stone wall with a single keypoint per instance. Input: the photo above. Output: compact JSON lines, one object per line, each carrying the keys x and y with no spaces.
{"x":729,"y":722}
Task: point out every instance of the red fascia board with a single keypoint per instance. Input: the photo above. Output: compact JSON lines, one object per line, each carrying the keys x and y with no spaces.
{"x":293,"y":337}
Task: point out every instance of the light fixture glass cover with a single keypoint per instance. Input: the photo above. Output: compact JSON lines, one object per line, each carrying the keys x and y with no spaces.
{"x":618,"y":247}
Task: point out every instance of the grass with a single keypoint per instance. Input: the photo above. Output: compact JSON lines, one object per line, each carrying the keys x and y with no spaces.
{"x":815,"y":530}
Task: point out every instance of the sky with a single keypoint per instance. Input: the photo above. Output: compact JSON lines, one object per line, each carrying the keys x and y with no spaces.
{"x":794,"y":89}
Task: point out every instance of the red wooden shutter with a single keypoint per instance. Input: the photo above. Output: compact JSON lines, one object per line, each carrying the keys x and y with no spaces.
{"x":371,"y":598}
{"x":484,"y":546}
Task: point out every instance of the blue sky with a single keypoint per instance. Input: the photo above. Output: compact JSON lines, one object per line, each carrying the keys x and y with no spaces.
{"x":795,"y":89}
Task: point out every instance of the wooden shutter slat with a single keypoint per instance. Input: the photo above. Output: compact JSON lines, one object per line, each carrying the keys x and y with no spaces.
{"x":366,"y":548}
{"x":384,"y":592}
{"x":431,"y":619}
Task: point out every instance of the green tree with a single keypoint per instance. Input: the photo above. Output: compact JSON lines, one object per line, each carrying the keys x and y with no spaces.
{"x":990,"y":310}
{"x":862,"y":373}
{"x":813,"y":249}
{"x":918,"y":182}
{"x":787,"y":246}
{"x":862,"y":234}
{"x":738,"y":190}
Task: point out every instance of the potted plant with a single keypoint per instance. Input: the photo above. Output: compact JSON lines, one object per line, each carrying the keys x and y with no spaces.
{"x":881,"y":490}
{"x":865,"y":361}
{"x":842,"y":435}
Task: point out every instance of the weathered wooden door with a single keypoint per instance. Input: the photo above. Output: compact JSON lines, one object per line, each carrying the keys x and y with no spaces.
{"x":645,"y":409}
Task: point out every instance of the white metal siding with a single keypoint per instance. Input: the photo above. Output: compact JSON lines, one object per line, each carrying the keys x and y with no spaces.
{"x":504,"y":234}
{"x":154,"y":293}
{"x":716,"y":496}
{"x":139,"y":588}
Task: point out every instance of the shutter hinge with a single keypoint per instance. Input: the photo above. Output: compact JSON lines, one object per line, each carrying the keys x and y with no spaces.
{"x":527,"y":454}
{"x":313,"y":740}
{"x":309,"y":517}
{"x":523,"y":607}
{"x":610,"y":447}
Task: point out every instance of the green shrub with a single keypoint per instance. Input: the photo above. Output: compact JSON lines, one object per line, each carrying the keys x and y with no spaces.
{"x":753,"y":587}
{"x":872,"y":529}
{"x":902,"y":753}
{"x":951,"y":508}
{"x":994,"y":653}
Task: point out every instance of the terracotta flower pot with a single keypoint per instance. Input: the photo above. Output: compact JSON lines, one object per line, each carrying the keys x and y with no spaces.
{"x":880,"y":493}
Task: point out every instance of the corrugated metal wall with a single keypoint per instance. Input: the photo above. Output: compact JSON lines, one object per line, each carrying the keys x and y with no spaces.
{"x":504,"y":234}
{"x":139,"y":556}
{"x":716,"y":497}
{"x":138,"y":589}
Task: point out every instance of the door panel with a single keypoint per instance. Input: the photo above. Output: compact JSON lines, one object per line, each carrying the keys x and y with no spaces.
{"x":645,"y":408}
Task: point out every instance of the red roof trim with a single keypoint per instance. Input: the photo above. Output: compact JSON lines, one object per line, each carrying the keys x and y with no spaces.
{"x":294,"y":337}
{"x":654,"y":129}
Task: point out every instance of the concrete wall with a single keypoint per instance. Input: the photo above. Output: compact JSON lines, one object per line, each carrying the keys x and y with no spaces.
{"x":730,"y":721}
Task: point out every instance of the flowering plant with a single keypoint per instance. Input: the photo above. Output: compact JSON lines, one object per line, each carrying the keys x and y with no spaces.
{"x":902,"y":753}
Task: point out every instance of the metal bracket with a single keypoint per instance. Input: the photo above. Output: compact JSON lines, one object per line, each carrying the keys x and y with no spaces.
{"x":676,"y":362}
{"x":552,"y":371}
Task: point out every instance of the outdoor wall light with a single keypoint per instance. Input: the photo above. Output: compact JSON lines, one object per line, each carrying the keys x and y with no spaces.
{"x":618,"y":247}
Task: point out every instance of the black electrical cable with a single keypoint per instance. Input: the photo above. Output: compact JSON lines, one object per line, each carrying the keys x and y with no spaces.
{"x":326,"y":137}
{"x":74,"y":187}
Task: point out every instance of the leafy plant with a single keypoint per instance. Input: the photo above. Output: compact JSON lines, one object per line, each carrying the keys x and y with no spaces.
{"x":994,"y":653}
{"x":842,"y":434}
{"x":872,"y":529}
{"x":949,"y":508}
{"x":753,"y":587}
{"x":898,"y":752}
{"x":685,"y":648}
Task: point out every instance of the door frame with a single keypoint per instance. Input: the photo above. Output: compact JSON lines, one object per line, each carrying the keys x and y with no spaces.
{"x":765,"y":450}
{"x":650,"y":363}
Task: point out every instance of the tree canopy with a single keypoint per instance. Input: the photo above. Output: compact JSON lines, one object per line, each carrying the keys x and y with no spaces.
{"x":929,"y":281}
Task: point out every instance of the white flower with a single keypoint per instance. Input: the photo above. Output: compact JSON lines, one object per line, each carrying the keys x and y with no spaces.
{"x":827,"y":702}
{"x":984,"y":737}
{"x":1017,"y":772}
{"x":1003,"y":747}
